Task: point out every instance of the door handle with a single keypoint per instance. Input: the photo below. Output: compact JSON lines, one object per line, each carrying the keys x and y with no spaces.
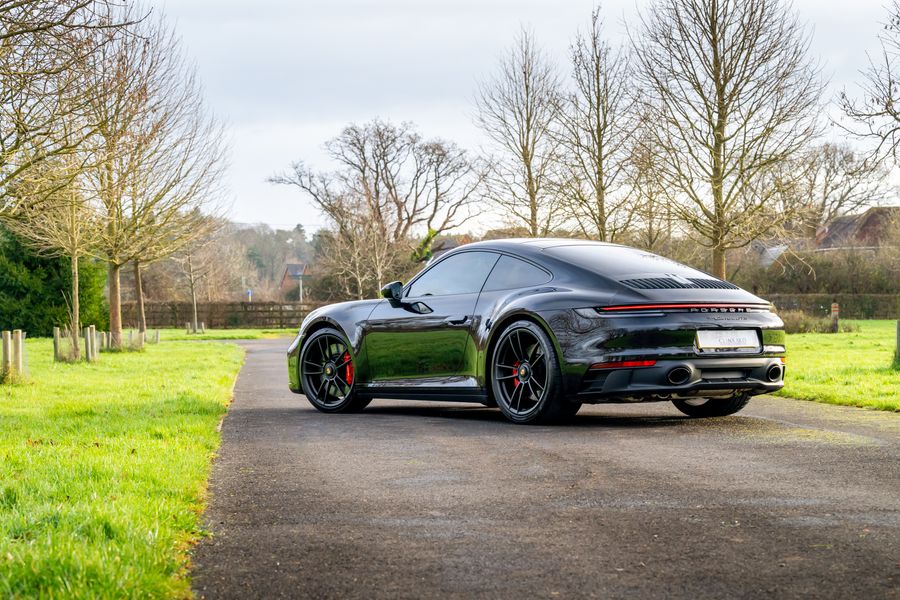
{"x":456,"y":320}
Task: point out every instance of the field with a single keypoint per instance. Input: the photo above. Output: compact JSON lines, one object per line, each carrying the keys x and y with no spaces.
{"x":853,"y":369}
{"x":103,"y":469}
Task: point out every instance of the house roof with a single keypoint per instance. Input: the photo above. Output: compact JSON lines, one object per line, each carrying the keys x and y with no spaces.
{"x":444,"y":244}
{"x":865,"y":229}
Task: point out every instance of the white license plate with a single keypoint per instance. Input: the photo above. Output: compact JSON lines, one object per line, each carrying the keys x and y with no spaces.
{"x":727,"y":339}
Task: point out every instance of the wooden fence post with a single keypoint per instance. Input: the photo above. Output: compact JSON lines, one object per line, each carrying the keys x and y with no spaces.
{"x":835,"y":314}
{"x":157,"y":336}
{"x":56,"y":357}
{"x":18,"y":352}
{"x":6,"y":365}
{"x":86,"y":334}
{"x":93,"y":329}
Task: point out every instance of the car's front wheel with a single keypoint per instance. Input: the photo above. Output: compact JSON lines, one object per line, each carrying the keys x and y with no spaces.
{"x":327,"y":372}
{"x":712,"y":407}
{"x":525,"y":376}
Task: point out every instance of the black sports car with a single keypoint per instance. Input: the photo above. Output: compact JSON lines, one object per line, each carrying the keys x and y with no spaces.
{"x":539,"y":326}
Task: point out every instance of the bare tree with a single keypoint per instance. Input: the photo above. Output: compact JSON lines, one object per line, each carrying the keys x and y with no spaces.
{"x":54,"y":217}
{"x":360,"y":259}
{"x":42,"y":96}
{"x":652,"y":221}
{"x":194,"y":267}
{"x":517,"y":110}
{"x":391,"y":187}
{"x":199,"y":262}
{"x":157,"y":155}
{"x":826,"y":181}
{"x":876,"y":115}
{"x":733,"y":95}
{"x":596,"y":125}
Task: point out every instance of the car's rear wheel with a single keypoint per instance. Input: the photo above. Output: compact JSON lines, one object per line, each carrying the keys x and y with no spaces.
{"x":327,"y":373}
{"x":712,"y":407}
{"x":525,"y":376}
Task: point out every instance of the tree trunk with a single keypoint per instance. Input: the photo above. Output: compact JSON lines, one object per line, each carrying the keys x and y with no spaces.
{"x":75,"y":324}
{"x":195,"y":325}
{"x":115,"y":306}
{"x":531,"y":190}
{"x":139,"y":296}
{"x":718,"y":262}
{"x":717,"y":176}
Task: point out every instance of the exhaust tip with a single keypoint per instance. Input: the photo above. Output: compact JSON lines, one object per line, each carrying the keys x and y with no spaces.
{"x":678,"y":375}
{"x":773,"y":373}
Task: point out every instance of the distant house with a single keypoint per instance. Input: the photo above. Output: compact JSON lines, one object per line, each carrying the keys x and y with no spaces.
{"x":292,"y":279}
{"x":442,"y":246}
{"x":865,"y":230}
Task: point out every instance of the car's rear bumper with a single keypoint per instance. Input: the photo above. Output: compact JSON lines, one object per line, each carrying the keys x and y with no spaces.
{"x":684,"y":377}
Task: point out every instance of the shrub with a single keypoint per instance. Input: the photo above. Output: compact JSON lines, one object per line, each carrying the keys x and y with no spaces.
{"x":796,"y":321}
{"x":33,"y":289}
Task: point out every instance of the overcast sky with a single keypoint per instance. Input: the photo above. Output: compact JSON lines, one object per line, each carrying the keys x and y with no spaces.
{"x":288,"y":75}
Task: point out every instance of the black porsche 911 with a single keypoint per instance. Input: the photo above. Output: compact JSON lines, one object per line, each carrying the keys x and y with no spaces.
{"x":538,"y":327}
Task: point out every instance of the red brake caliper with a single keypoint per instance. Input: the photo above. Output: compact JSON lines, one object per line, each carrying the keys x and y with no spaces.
{"x":516,"y":373}
{"x":346,"y":359}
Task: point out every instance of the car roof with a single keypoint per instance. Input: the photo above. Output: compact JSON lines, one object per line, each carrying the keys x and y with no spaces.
{"x":529,"y":246}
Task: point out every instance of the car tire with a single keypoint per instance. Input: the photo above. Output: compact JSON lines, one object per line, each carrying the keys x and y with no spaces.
{"x":712,"y":407}
{"x":327,"y":371}
{"x":525,"y":376}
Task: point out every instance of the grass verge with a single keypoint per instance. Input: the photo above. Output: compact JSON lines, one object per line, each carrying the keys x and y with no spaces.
{"x":852,"y":369}
{"x":169,"y":335}
{"x":103,"y":469}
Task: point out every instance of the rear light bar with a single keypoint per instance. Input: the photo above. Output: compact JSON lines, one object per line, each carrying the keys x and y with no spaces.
{"x":695,"y":307}
{"x":623,"y":364}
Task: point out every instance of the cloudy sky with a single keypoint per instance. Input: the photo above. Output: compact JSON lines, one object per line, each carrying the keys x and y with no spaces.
{"x":287,"y":75}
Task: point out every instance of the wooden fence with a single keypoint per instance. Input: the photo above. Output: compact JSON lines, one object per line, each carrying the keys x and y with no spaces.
{"x":220,"y":315}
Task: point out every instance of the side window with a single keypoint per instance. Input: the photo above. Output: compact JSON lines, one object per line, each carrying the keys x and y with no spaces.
{"x":511,"y":273}
{"x":462,"y":273}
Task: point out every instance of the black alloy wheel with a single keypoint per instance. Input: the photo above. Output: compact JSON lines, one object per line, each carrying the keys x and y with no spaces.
{"x":328,"y":373}
{"x":525,"y":376}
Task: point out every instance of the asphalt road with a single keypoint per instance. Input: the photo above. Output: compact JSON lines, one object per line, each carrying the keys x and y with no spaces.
{"x":787,"y":499}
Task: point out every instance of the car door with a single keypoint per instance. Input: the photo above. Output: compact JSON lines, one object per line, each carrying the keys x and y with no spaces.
{"x":425,"y":336}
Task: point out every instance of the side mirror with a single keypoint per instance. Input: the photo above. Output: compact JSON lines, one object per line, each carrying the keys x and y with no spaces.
{"x":393,"y":291}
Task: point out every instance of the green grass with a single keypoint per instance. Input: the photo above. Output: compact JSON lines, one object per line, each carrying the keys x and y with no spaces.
{"x":852,"y":369}
{"x":168,"y":335}
{"x":103,"y":469}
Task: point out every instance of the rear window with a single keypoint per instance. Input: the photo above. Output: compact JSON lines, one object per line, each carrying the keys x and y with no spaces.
{"x":619,"y":262}
{"x":511,"y":273}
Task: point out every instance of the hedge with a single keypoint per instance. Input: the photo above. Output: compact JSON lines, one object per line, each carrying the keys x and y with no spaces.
{"x":853,"y":306}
